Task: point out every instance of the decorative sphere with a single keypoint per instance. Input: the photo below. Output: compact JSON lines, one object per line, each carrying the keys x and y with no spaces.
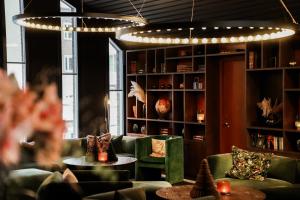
{"x":163,"y":106}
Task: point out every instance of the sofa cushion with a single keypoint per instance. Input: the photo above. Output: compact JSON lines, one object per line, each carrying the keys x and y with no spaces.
{"x":151,"y":186}
{"x":117,"y":143}
{"x":73,"y":147}
{"x":153,"y":159}
{"x":105,"y":195}
{"x":128,"y":144}
{"x":283,"y":168}
{"x":30,"y":178}
{"x":298,"y":171}
{"x":219,"y":164}
{"x":131,"y":193}
{"x":56,"y":177}
{"x":283,"y":193}
{"x":249,"y":165}
{"x":267,"y":183}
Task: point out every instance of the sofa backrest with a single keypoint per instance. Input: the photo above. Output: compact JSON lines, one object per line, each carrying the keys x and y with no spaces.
{"x":219,"y":164}
{"x":283,"y":168}
{"x":128,"y":143}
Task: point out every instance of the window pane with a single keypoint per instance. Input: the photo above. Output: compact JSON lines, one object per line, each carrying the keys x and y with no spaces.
{"x":18,"y":71}
{"x":115,"y":69}
{"x":116,"y":112}
{"x":69,"y":100}
{"x":69,"y":77}
{"x":13,"y":32}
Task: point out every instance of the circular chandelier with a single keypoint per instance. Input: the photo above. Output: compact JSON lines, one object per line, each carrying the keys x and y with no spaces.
{"x":207,"y":32}
{"x":87,"y":22}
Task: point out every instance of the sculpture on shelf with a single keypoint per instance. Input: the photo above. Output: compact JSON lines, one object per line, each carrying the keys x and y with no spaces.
{"x":137,"y":91}
{"x":163,"y":107}
{"x":271,"y":115}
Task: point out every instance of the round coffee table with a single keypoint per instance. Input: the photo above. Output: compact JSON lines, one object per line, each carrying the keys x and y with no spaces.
{"x":80,"y":162}
{"x":237,"y":193}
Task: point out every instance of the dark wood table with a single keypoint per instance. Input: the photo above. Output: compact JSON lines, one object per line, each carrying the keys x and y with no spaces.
{"x":237,"y":193}
{"x":80,"y":162}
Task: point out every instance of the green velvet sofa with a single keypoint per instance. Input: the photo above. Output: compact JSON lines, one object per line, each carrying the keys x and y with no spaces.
{"x":282,"y":182}
{"x":29,"y":176}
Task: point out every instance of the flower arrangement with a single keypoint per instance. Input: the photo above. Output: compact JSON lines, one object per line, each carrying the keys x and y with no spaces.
{"x":25,"y":113}
{"x":270,"y":114}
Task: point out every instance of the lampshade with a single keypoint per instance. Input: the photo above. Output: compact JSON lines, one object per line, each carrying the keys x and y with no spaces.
{"x":207,"y":32}
{"x":86,"y":22}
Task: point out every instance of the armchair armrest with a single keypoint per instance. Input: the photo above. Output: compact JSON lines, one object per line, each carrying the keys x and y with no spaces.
{"x":142,"y":147}
{"x":175,"y":158}
{"x":103,"y":175}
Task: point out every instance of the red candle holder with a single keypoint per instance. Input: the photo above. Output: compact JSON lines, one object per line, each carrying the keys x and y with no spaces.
{"x":223,"y":187}
{"x":102,"y":156}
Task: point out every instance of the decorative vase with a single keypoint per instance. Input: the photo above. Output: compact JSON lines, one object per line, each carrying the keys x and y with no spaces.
{"x":135,"y":128}
{"x":163,"y":107}
{"x":297,"y":124}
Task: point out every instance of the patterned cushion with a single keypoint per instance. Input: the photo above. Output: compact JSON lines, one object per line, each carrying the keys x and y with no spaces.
{"x":249,"y":165}
{"x":158,"y":148}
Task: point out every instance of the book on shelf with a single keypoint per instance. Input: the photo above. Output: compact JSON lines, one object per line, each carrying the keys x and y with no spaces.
{"x":198,"y":137}
{"x":184,"y":68}
{"x":267,"y":141}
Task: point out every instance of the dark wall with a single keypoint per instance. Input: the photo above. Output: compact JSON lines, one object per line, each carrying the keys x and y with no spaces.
{"x":93,"y":63}
{"x":43,"y":57}
{"x":2,"y":36}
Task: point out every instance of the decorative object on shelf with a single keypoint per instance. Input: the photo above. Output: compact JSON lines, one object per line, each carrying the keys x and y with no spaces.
{"x":86,"y":22}
{"x":182,"y":52}
{"x":164,"y":131}
{"x":163,"y":68}
{"x":198,"y":137}
{"x":297,"y":122}
{"x":224,"y":187}
{"x":181,"y":86}
{"x":196,"y":83}
{"x":137,"y":91}
{"x":134,"y":109}
{"x":154,"y":69}
{"x":252,"y":60}
{"x":135,"y":128}
{"x":273,"y":62}
{"x":169,"y":86}
{"x":143,"y":130}
{"x":204,"y":185}
{"x":140,"y":71}
{"x":292,"y":63}
{"x":200,"y":116}
{"x":271,"y":115}
{"x":133,"y":67}
{"x":298,"y":144}
{"x":163,"y":107}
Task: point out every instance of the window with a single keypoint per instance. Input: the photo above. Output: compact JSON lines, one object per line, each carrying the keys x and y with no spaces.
{"x":67,"y":34}
{"x":69,"y":74}
{"x":68,"y":63}
{"x":116,"y":98}
{"x":15,"y":42}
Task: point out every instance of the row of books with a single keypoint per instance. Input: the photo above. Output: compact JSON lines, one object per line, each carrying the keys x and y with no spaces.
{"x":184,"y":68}
{"x":267,"y":142}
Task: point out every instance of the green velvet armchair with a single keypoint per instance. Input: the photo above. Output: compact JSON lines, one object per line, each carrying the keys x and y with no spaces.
{"x":172,"y":163}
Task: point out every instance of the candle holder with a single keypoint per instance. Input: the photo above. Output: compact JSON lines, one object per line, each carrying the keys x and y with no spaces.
{"x":102,"y":156}
{"x":223,"y":187}
{"x":200,"y":116}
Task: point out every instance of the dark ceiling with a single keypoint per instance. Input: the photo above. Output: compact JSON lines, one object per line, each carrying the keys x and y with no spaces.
{"x":180,"y":10}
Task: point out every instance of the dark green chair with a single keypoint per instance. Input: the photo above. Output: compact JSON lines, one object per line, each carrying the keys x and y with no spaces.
{"x":147,"y":167}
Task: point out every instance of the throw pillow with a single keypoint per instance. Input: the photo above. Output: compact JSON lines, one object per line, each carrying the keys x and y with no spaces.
{"x":69,"y":177}
{"x":117,"y":143}
{"x":91,"y":147}
{"x":249,"y":165}
{"x":56,"y":177}
{"x":158,"y":148}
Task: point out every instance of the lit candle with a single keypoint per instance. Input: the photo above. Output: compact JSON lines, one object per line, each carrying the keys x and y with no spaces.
{"x":223,"y":187}
{"x":102,"y":156}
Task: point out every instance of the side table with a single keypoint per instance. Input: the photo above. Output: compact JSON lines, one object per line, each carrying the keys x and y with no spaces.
{"x":237,"y":193}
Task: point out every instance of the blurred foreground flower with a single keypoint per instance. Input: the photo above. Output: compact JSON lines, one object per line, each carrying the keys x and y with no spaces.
{"x":22,"y":114}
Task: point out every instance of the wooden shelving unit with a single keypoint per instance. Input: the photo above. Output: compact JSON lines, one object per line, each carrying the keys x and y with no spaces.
{"x":161,"y":76}
{"x":268,"y":73}
{"x":272,"y":74}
